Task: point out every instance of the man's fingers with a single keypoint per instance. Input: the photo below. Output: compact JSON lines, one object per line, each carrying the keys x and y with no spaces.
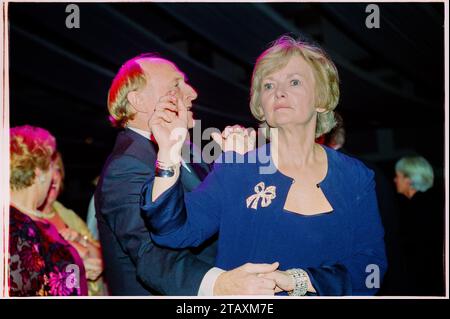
{"x":276,"y":277}
{"x":162,"y":117}
{"x":270,"y":275}
{"x":154,"y":123}
{"x":267,"y":283}
{"x":182,"y":111}
{"x":165,"y":115}
{"x":260,"y":268}
{"x":169,"y":98}
{"x":166,"y":106}
{"x":172,"y":116}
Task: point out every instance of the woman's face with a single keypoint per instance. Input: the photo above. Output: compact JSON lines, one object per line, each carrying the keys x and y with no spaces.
{"x":44,"y":181}
{"x":287,"y":95}
{"x":402,"y":183}
{"x":55,"y":186}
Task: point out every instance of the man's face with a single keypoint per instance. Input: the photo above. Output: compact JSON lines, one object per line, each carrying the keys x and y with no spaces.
{"x":164,"y":78}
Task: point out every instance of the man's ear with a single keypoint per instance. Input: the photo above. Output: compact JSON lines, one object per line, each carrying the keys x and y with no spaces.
{"x":134,"y":98}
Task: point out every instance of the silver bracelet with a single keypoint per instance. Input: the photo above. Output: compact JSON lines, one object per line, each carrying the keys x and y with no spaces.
{"x":301,"y":282}
{"x":163,"y":170}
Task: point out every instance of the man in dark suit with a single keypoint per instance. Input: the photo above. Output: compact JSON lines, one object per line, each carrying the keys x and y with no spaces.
{"x":134,"y":265}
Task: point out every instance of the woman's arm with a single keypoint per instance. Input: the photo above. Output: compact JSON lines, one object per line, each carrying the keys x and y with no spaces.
{"x":162,"y":197}
{"x":178,"y":219}
{"x":367,"y":264}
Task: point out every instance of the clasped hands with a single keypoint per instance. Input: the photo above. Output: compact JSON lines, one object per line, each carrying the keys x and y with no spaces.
{"x":170,"y":121}
{"x":254,"y":279}
{"x":88,"y":251}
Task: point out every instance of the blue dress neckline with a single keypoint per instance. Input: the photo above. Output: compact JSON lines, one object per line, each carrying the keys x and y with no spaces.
{"x":322,"y":184}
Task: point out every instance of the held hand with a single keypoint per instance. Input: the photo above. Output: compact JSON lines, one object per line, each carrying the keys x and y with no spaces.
{"x":69,"y":234}
{"x":245,"y":280}
{"x":286,"y":282}
{"x":94,"y":268}
{"x":168,"y":125}
{"x":236,"y":138}
{"x":283,"y":280}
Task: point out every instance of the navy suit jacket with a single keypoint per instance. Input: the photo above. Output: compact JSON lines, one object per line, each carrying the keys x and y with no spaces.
{"x":134,"y":265}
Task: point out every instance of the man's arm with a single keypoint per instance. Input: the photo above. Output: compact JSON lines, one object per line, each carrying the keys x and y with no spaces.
{"x":171,"y":272}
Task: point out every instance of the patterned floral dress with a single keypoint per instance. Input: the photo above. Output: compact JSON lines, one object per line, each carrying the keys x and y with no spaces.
{"x":41,"y":262}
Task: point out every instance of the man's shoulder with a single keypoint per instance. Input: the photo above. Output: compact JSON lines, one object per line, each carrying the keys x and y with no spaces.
{"x":130,"y":159}
{"x":130,"y":149}
{"x":129,"y":143}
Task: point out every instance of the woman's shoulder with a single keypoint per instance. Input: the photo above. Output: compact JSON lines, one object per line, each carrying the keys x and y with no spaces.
{"x":233,"y":162}
{"x":21,"y":225}
{"x":349,"y":167}
{"x":16,"y":216}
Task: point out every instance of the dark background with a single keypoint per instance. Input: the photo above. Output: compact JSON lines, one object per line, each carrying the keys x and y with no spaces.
{"x":392,"y":91}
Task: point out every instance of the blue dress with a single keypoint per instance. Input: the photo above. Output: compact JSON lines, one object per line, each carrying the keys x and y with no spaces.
{"x":342,"y":250}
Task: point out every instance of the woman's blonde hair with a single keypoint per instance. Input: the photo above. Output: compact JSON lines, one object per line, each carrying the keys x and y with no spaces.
{"x":131,"y":77}
{"x":325,"y":74}
{"x":30,"y":148}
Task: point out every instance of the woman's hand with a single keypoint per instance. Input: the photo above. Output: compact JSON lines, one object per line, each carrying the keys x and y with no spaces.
{"x":69,"y":234}
{"x":236,"y":138}
{"x":286,"y":282}
{"x":94,"y":248}
{"x":94,"y":268}
{"x":168,"y":125}
{"x":84,"y":247}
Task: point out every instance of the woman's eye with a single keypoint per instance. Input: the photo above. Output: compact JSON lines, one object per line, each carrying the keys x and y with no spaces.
{"x":295,"y":82}
{"x":268,"y":86}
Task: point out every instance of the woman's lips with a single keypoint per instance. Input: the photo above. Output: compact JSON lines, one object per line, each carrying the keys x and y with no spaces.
{"x":278,"y":107}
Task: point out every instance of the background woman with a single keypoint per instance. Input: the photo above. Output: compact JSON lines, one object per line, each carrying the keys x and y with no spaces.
{"x":420,"y":212}
{"x":74,"y":230}
{"x":41,"y":262}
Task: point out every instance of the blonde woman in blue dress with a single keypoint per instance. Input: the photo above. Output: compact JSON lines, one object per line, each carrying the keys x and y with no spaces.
{"x":315,"y":214}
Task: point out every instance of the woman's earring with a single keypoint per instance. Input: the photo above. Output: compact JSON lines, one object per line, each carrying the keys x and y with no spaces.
{"x":42,"y":179}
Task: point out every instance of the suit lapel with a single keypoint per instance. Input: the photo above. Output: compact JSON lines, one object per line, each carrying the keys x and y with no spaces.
{"x":198,"y":169}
